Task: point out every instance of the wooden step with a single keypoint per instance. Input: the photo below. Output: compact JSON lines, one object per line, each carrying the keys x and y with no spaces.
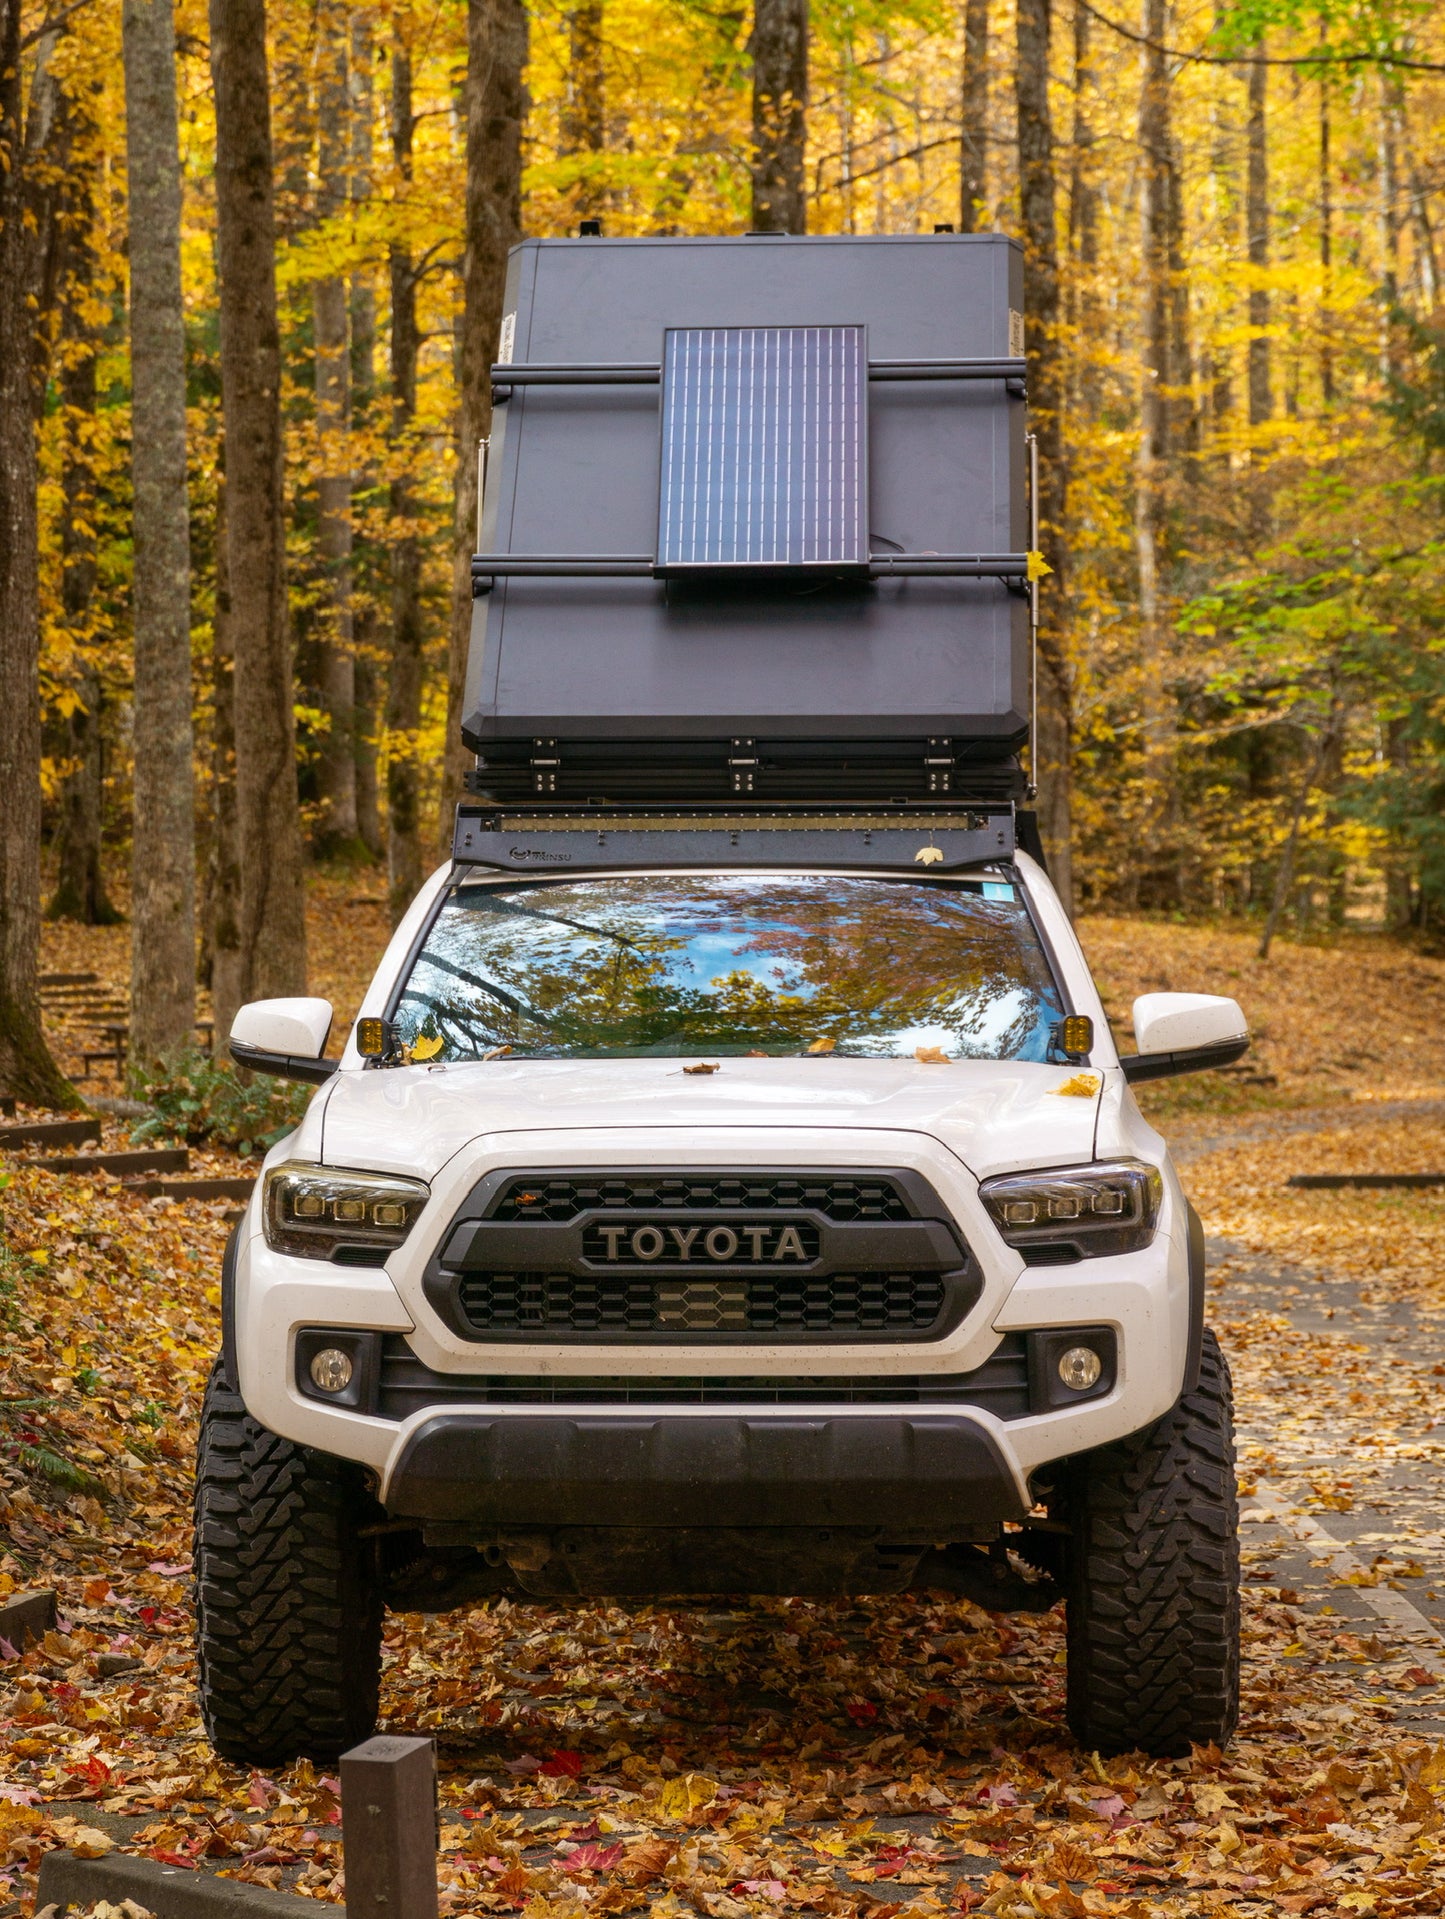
{"x":1327,"y":1182}
{"x":151,"y":1159}
{"x":69,"y":979}
{"x":51,"y":1132}
{"x":192,"y":1188}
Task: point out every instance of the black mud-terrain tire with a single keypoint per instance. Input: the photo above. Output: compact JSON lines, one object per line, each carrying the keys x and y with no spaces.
{"x":1153,"y":1580}
{"x":288,"y":1593}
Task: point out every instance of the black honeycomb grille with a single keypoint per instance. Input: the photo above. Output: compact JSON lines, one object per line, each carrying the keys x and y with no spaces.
{"x":841,"y":1197}
{"x":840,"y":1303}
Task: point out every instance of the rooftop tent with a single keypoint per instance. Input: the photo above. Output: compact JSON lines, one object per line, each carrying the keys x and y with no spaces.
{"x":755,"y":522}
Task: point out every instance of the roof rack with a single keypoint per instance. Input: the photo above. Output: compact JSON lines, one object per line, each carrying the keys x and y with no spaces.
{"x":545,"y":839}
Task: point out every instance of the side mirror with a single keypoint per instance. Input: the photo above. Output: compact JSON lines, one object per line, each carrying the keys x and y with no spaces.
{"x":285,"y":1038}
{"x":1184,"y":1033}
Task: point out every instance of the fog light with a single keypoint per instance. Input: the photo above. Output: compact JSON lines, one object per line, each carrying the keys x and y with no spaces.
{"x":1079,"y":1368}
{"x":331,"y":1369}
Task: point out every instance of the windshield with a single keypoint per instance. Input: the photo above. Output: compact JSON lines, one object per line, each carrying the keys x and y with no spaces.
{"x":736,"y":963}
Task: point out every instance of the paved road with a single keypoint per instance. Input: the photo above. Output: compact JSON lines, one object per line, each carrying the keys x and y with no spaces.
{"x":1336,"y":1386}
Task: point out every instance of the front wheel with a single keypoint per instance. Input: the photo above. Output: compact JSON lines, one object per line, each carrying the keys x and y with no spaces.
{"x":1153,"y":1580}
{"x":288,"y":1592}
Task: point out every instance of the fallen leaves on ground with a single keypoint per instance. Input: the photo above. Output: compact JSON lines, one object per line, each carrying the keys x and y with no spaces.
{"x":890,"y":1758}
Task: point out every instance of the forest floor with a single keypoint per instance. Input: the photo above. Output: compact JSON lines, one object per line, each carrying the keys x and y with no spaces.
{"x":864,"y":1759}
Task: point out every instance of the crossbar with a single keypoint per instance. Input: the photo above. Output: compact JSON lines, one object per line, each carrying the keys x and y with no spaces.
{"x":587,"y":566}
{"x":649,"y":373}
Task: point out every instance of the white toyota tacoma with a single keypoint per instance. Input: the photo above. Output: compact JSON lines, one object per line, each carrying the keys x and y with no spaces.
{"x":721,"y":1228}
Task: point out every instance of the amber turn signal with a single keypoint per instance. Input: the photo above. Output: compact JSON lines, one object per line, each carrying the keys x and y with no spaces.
{"x":1076,"y":1035}
{"x":371,"y":1038}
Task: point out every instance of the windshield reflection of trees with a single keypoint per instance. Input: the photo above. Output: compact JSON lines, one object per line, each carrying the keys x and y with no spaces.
{"x":610,"y":966}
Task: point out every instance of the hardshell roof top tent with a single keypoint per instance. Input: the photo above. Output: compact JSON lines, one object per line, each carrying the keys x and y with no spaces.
{"x":755,"y":524}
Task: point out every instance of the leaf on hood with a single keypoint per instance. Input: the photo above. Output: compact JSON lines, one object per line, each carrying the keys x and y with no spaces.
{"x":1078,"y":1086}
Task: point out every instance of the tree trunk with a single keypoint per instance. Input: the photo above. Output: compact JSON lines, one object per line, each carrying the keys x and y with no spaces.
{"x":1156,"y":410}
{"x":366,"y":617}
{"x":163,"y":875}
{"x":1183,"y":413}
{"x":973,"y":142}
{"x":272,"y":921}
{"x":1053,"y":774}
{"x":80,"y":886}
{"x":1152,"y":467}
{"x":1327,"y":250}
{"x":1256,"y":221}
{"x":1427,"y":254}
{"x":336,"y":657}
{"x":1082,"y":293}
{"x":496,"y":101}
{"x":1083,"y":194}
{"x":1284,"y":876}
{"x":403,"y":712}
{"x":584,"y":111}
{"x":26,"y":1069}
{"x":780,"y":115}
{"x":224,"y":888}
{"x":1224,"y":172}
{"x":1387,"y":188}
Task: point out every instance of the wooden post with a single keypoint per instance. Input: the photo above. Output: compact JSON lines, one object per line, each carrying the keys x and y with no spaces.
{"x":389,"y":1829}
{"x":26,"y":1617}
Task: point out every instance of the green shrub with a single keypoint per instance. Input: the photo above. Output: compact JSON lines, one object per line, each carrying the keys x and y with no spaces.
{"x":202,"y":1100}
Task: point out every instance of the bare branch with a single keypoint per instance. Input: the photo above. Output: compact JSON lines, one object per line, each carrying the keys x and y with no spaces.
{"x":1320,"y":59}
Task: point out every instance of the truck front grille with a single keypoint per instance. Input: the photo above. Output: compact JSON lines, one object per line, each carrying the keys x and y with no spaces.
{"x":714,"y":1255}
{"x":840,"y":1303}
{"x":1000,"y":1386}
{"x":837,"y":1196}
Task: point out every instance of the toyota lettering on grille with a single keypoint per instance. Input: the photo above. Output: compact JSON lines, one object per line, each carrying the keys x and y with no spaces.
{"x":766,"y":1245}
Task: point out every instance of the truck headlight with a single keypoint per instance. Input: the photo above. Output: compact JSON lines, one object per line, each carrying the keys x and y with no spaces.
{"x":318,"y":1212}
{"x":1079,"y":1212}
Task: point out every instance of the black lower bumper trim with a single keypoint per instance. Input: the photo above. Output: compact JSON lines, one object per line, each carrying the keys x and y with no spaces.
{"x":934,"y":1471}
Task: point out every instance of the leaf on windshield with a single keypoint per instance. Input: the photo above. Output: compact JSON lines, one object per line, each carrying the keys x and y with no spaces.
{"x":426,"y":1046}
{"x":931,"y":1056}
{"x":703,"y":1066}
{"x":822,"y":1046}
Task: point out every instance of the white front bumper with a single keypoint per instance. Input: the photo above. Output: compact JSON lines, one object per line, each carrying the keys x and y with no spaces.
{"x":1143,"y":1297}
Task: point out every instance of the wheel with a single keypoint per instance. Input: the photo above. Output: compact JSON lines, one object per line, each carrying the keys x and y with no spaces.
{"x":288,"y":1592}
{"x":1153,"y":1580}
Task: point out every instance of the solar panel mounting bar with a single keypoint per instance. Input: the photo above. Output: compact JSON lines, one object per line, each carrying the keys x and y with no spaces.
{"x":649,"y":373}
{"x":597,"y":566}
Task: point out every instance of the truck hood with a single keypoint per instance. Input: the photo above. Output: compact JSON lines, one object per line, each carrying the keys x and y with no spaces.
{"x":996,"y":1115}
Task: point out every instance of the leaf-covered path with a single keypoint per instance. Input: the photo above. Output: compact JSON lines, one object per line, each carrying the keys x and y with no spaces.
{"x":733,"y":1762}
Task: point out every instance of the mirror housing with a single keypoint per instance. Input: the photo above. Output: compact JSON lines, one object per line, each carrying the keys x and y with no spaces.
{"x":285,"y":1038}
{"x":1184,"y":1033}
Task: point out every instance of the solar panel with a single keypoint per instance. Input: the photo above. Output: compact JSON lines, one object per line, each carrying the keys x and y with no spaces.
{"x":764,"y":448}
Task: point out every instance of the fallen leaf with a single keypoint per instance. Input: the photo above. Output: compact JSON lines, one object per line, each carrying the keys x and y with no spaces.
{"x":1078,"y":1086}
{"x":89,"y":1842}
